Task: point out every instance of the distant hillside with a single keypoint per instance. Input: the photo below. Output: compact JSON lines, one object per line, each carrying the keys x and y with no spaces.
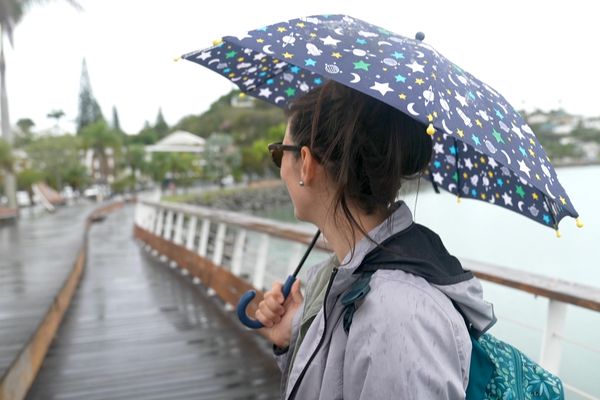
{"x":246,"y":124}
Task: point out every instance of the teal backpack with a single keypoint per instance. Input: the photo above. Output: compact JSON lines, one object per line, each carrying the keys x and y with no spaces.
{"x":498,"y":370}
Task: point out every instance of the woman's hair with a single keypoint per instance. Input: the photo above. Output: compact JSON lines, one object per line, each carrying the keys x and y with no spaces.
{"x":367,"y":147}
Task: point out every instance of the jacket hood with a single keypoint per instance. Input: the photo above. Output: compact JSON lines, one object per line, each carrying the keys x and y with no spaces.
{"x":413,"y":248}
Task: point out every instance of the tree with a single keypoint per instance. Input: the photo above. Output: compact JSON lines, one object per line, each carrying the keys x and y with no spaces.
{"x":6,"y":157}
{"x":135,"y":159}
{"x":161,"y":126}
{"x":221,"y":155}
{"x":256,"y":157}
{"x":26,"y":179}
{"x":56,"y":115}
{"x":89,"y":110}
{"x":99,"y":138}
{"x":57,"y":157}
{"x":116,"y":125}
{"x":24,"y":136}
{"x":11,"y":13}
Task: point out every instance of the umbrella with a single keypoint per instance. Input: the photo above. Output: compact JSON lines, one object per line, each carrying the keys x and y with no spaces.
{"x":482,"y":148}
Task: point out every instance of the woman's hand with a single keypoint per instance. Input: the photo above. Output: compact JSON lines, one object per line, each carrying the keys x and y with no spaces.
{"x":276,"y":314}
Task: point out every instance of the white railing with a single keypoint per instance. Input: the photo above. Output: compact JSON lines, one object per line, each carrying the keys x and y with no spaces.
{"x":242,"y":244}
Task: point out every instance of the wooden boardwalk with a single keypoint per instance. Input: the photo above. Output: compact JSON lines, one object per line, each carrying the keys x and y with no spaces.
{"x":36,"y":256}
{"x":137,"y":329}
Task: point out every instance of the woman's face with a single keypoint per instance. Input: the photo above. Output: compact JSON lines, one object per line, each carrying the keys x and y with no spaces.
{"x":290,"y":172}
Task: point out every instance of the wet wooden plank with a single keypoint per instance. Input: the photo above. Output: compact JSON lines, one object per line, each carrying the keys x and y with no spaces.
{"x":140,"y":329}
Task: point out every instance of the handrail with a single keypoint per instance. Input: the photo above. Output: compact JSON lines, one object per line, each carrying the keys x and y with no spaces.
{"x":194,"y":238}
{"x":555,"y":289}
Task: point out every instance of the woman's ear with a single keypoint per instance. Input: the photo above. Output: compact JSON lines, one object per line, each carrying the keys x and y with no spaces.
{"x":309,"y":165}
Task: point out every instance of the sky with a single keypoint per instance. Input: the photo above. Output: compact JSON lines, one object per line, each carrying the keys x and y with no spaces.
{"x":538,"y":54}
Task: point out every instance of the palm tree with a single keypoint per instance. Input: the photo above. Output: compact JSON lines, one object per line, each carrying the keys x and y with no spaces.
{"x":11,"y":13}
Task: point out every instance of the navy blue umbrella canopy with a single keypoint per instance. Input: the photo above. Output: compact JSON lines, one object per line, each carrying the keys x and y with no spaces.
{"x":482,"y":148}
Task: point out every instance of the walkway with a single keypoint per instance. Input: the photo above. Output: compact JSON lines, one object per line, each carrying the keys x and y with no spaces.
{"x":36,"y":256}
{"x":139,"y":329}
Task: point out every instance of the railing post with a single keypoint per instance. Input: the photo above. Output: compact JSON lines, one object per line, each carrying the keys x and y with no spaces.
{"x":204,"y":237}
{"x":238,"y":252}
{"x":551,"y":347}
{"x":177,"y":239}
{"x":261,"y":262}
{"x":219,"y":244}
{"x":150,"y":218}
{"x":191,"y":232}
{"x":168,"y":234}
{"x":159,"y":222}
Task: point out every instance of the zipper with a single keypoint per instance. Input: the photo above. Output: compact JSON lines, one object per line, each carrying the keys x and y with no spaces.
{"x":518,"y":375}
{"x":297,"y":383}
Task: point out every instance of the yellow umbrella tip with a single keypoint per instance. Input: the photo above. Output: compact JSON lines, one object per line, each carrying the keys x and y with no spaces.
{"x":579,"y":223}
{"x":217,"y":42}
{"x":430,"y":130}
{"x":242,"y":95}
{"x":558,"y":233}
{"x":458,"y":200}
{"x":177,"y":58}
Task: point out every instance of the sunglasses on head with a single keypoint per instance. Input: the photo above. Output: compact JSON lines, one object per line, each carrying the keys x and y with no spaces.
{"x":277,"y":149}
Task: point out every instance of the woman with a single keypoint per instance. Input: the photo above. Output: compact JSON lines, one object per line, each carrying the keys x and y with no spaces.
{"x":343,"y":160}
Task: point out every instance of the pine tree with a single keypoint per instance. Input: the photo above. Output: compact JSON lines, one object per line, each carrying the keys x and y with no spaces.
{"x":116,"y":125}
{"x":161,"y":126}
{"x":89,"y":110}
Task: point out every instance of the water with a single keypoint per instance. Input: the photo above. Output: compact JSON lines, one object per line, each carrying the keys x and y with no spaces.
{"x":479,"y":231}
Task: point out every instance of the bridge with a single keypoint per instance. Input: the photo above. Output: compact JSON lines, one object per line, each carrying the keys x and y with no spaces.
{"x":126,"y":301}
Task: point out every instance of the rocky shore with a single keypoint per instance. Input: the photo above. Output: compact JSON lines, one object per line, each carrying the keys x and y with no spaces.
{"x":255,"y":199}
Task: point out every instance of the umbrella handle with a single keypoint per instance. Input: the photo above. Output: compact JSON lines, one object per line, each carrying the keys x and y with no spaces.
{"x":249,"y":296}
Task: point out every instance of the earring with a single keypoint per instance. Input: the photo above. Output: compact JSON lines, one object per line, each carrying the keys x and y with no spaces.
{"x":301,"y":182}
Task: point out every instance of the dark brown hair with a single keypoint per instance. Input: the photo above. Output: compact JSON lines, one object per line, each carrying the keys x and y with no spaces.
{"x":367,"y":147}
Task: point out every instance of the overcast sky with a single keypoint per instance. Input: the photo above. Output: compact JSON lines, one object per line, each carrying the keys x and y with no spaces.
{"x":538,"y":54}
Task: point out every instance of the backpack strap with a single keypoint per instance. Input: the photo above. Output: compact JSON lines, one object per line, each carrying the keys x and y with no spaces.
{"x":357,"y":291}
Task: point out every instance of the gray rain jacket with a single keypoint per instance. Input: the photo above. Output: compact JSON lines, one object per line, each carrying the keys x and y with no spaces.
{"x":406,"y":341}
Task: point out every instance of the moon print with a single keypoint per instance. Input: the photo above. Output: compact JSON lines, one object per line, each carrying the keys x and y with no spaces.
{"x":411,"y":110}
{"x":452,"y":188}
{"x":384,"y":43}
{"x":214,"y":60}
{"x":359,"y":52}
{"x":356,"y":77}
{"x":267,"y":49}
{"x":236,"y":79}
{"x":445,"y":126}
{"x":221,"y":65}
{"x":332,"y":68}
{"x":549,"y":192}
{"x":339,"y":31}
{"x":452,"y":80}
{"x":507,"y":157}
{"x":396,"y":39}
{"x":278,"y":99}
{"x":520,"y":205}
{"x":462,"y":79}
{"x":420,"y":54}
